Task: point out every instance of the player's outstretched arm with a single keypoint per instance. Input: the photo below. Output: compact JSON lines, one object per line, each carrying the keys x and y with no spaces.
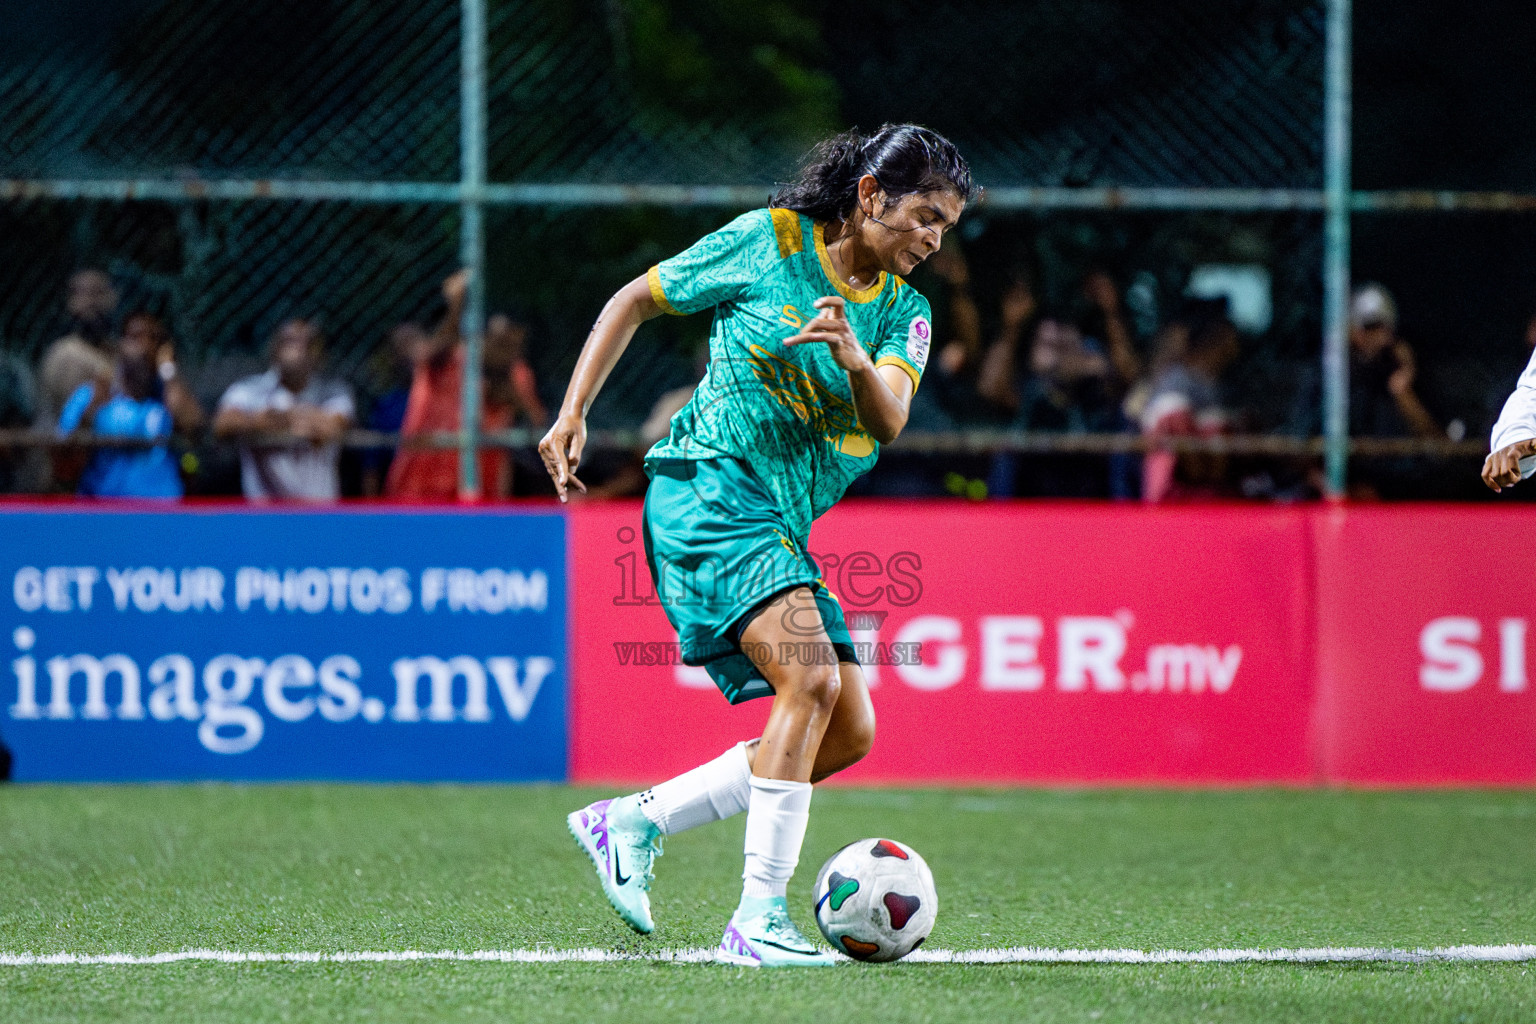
{"x":880,"y":396}
{"x":561,"y":448}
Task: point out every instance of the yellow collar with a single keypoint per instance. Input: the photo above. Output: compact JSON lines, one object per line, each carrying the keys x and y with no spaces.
{"x":837,"y":282}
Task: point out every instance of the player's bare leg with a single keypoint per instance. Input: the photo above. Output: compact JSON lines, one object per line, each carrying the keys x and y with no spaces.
{"x":788,"y":644}
{"x":850,"y":733}
{"x":623,"y":836}
{"x":805,"y":697}
{"x":851,"y":730}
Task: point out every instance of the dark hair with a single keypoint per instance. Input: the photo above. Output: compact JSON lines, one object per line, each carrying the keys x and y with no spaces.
{"x":904,"y":159}
{"x":316,"y":332}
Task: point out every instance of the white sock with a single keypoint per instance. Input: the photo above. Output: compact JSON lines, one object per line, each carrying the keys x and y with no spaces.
{"x":776,"y":823}
{"x":713,"y":791}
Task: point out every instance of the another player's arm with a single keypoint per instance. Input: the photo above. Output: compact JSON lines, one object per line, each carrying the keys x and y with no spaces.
{"x":1514,"y":435}
{"x":1502,"y":468}
{"x":881,"y":396}
{"x":561,"y":448}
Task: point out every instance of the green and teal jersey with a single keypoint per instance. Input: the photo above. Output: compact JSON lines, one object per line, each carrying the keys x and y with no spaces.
{"x":787,"y":412}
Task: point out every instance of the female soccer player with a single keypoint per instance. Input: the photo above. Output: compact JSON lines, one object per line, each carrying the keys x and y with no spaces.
{"x":815,"y":352}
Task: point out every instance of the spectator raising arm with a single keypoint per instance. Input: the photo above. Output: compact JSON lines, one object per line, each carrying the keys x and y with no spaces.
{"x":447,"y":335}
{"x":964,"y":347}
{"x":997,"y":379}
{"x":1101,"y":291}
{"x":186,"y":411}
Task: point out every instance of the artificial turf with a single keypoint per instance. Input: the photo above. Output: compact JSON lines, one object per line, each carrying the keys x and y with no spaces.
{"x":325,"y":868}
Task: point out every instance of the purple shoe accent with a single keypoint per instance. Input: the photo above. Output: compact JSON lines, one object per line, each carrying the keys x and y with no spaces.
{"x":735,"y":944}
{"x":595,"y":818}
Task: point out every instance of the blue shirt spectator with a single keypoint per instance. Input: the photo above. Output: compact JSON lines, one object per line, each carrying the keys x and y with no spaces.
{"x":125,"y":472}
{"x":145,"y":400}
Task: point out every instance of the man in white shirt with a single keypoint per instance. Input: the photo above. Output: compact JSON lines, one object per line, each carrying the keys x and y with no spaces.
{"x":290,"y":398}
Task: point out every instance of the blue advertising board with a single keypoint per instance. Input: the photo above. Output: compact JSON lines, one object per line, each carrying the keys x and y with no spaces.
{"x":234,"y":644}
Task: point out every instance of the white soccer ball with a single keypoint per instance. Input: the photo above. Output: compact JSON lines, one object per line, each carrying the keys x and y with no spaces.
{"x":875,"y":900}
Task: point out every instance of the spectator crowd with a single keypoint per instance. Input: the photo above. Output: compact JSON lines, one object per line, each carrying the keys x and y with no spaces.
{"x":1009,"y":362}
{"x":112,"y":392}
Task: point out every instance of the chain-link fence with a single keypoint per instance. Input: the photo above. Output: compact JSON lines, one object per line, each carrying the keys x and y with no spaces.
{"x":233,"y":164}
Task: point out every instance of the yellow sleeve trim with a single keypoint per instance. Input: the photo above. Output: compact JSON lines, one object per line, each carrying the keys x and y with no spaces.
{"x":786,"y":228}
{"x":908,"y":367}
{"x":653,"y":278}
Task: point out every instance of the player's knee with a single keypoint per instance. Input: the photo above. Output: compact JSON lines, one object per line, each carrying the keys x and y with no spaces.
{"x":820,"y":685}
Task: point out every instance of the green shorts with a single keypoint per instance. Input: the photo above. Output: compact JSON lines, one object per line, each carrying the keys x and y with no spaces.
{"x":718,"y":549}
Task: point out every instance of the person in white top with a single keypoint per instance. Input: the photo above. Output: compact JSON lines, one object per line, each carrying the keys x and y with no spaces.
{"x":1513,"y":444}
{"x":292,"y":399}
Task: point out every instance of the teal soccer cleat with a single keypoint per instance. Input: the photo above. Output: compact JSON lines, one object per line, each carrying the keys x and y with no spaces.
{"x":762,"y":935}
{"x":623,"y":846}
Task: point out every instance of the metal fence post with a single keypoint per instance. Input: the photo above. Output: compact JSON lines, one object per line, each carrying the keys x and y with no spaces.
{"x":472,"y":166}
{"x":1336,"y":205}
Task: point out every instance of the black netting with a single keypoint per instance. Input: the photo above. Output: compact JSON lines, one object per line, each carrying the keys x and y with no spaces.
{"x":1099,"y":92}
{"x":1186,"y":92}
{"x":298,"y":88}
{"x":1182,"y":94}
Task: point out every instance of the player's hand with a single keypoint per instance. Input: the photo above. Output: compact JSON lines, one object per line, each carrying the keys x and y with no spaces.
{"x":831,"y":328}
{"x":1502,"y":468}
{"x":561,"y":452}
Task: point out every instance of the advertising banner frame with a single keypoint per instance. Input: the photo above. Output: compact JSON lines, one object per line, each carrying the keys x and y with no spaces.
{"x":289,"y":643}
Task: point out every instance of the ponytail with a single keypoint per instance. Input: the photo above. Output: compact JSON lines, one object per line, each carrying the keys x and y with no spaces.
{"x":904,"y":159}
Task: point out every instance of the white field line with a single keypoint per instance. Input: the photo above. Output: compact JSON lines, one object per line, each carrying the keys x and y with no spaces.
{"x":1511,"y":953}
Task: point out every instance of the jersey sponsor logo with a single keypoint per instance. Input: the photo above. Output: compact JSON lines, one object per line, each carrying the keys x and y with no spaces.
{"x":825,"y":413}
{"x":918,"y":337}
{"x":792,"y":316}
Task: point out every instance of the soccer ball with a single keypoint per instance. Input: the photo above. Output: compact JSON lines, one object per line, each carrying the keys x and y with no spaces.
{"x":875,"y":900}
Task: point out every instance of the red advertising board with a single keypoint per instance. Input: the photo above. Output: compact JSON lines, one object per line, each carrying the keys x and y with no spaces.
{"x":1423,"y":645}
{"x":1039,"y":642}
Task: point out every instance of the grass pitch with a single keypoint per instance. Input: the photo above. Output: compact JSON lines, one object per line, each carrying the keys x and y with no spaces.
{"x":143,"y":870}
